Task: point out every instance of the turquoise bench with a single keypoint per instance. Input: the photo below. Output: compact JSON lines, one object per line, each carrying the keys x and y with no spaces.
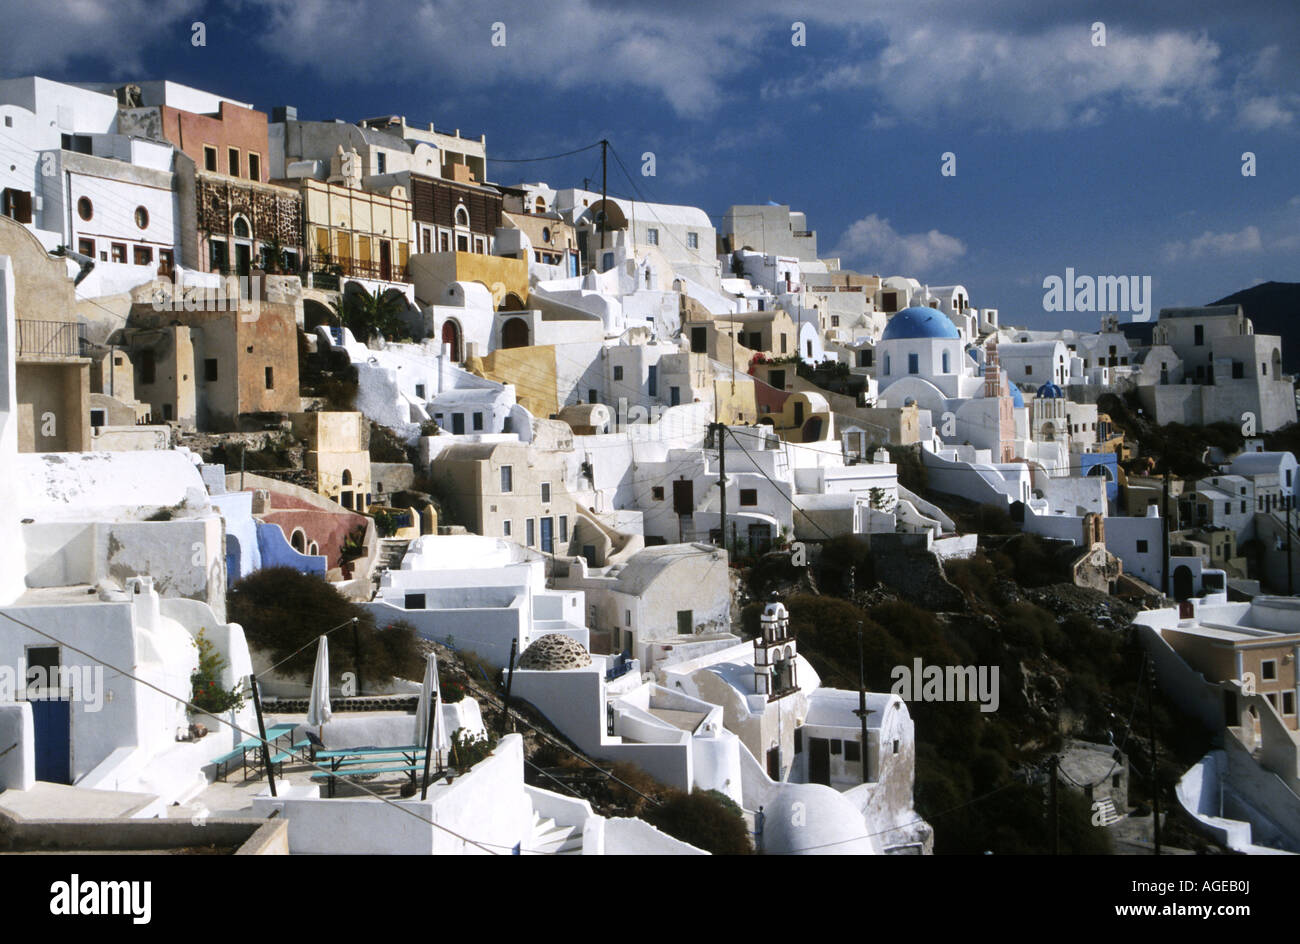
{"x":242,"y":749}
{"x":333,"y":776}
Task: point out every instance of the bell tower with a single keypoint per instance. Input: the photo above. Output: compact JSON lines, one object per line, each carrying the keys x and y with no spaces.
{"x":774,"y":653}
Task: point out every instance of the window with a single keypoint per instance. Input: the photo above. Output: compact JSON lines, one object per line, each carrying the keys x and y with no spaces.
{"x":1288,"y":703}
{"x":783,"y":343}
{"x":1142,"y":547}
{"x":97,"y":418}
{"x":414,"y":601}
{"x":478,"y":421}
{"x":86,"y":247}
{"x":210,"y":159}
{"x":254,"y":166}
{"x":564,"y":528}
{"x":507,"y":479}
{"x":546,"y":492}
{"x":210,"y":370}
{"x":1029,"y":369}
{"x":837,"y":746}
{"x":652,"y":236}
{"x":946,"y":362}
{"x":591,"y":396}
{"x":42,"y":677}
{"x":146,"y":367}
{"x":479,"y":247}
{"x":142,"y":255}
{"x":119,"y":252}
{"x":165,"y":259}
{"x":749,"y":496}
{"x":141,"y":217}
{"x":692,"y":240}
{"x":505,"y":527}
{"x":618,"y":373}
{"x":685,"y":622}
{"x":886,"y":365}
{"x":233,"y":157}
{"x":1268,"y":670}
{"x":270,"y":378}
{"x":168,"y":412}
{"x":530,"y":531}
{"x":913,"y":363}
{"x":419,"y":391}
{"x":1199,"y":332}
{"x":657,"y":493}
{"x":18,"y":205}
{"x":896,"y":745}
{"x":852,"y":752}
{"x":381,"y":163}
{"x":85,"y":209}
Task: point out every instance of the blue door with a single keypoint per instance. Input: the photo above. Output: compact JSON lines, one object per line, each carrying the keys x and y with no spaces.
{"x":53,"y":734}
{"x":548,"y":545}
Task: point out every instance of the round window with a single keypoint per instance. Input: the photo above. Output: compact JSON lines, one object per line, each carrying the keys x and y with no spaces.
{"x":142,"y":217}
{"x":546,"y":234}
{"x":85,"y":209}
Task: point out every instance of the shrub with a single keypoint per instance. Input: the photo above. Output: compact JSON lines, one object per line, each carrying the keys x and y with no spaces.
{"x":467,"y":749}
{"x":705,"y":819}
{"x":208,"y":694}
{"x":282,"y":610}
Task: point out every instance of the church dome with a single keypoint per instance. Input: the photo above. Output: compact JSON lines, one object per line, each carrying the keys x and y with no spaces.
{"x":1050,"y":391}
{"x":554,"y":652}
{"x":812,"y":819}
{"x":919,"y":322}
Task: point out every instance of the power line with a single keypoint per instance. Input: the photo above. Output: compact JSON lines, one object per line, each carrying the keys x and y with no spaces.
{"x":548,"y":157}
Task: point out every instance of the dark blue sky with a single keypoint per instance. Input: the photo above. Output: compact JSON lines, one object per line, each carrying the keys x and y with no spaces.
{"x":1115,"y":160}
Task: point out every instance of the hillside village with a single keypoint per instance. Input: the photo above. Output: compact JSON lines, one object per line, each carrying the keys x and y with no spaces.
{"x":548,"y":519}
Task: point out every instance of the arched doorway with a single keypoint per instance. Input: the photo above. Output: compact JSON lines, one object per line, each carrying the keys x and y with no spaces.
{"x":511,"y":302}
{"x":451,"y":336}
{"x":514,"y":333}
{"x":1182,"y":582}
{"x":299,"y":541}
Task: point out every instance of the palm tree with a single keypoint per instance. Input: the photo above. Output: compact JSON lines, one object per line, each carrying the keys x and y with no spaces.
{"x":367,"y":315}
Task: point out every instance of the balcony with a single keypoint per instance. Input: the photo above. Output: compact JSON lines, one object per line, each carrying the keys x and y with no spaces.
{"x":49,"y":340}
{"x":348,"y":268}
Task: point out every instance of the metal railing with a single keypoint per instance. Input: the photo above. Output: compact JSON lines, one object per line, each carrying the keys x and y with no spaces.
{"x":49,"y":338}
{"x":359,"y":269}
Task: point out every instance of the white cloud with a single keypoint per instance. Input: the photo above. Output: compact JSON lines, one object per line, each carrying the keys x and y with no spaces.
{"x":1050,"y":79}
{"x":875,"y":243}
{"x":45,"y":36}
{"x":1215,"y":244}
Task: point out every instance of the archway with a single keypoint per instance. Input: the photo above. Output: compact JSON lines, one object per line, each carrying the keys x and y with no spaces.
{"x":299,"y":541}
{"x":514,"y":333}
{"x":1182,"y":582}
{"x":451,"y":337}
{"x":512,"y":302}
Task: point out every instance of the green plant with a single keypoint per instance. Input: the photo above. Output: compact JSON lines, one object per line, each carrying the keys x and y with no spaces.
{"x":468,"y":749}
{"x":706,"y":819}
{"x":208,"y":694}
{"x":367,"y":315}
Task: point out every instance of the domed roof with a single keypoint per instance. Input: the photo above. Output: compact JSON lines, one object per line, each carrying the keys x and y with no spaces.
{"x":1017,"y":399}
{"x":554,"y":652}
{"x":919,"y":322}
{"x":1051,"y":391}
{"x":812,"y":819}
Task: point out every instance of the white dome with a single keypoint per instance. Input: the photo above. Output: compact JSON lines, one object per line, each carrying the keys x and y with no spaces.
{"x":811,"y":819}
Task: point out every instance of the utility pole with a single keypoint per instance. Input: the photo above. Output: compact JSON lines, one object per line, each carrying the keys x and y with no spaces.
{"x":604,"y":181}
{"x":1290,"y":576}
{"x":1054,"y":811}
{"x":719,"y":437}
{"x":1164,"y":538}
{"x":510,"y":681}
{"x":1155,"y":767}
{"x":862,"y":709}
{"x":261,"y":734}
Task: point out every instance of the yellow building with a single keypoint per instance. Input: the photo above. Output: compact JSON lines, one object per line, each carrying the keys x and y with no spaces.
{"x":355,"y":232}
{"x":338,"y":451}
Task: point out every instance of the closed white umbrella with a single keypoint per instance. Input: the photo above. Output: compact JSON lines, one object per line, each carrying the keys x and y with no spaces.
{"x":430,"y":691}
{"x":318,"y":706}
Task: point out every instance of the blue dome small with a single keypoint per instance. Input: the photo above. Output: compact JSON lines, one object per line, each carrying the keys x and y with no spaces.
{"x":1016,"y":398}
{"x":1051,"y":391}
{"x":919,"y":322}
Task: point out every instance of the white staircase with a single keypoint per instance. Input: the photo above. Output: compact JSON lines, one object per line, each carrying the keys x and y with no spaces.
{"x":551,"y":838}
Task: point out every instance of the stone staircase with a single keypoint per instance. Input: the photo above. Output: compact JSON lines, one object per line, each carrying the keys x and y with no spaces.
{"x":391,"y":552}
{"x":551,"y":838}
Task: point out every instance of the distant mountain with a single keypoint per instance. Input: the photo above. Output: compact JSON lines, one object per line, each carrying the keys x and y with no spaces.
{"x":1274,"y":307}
